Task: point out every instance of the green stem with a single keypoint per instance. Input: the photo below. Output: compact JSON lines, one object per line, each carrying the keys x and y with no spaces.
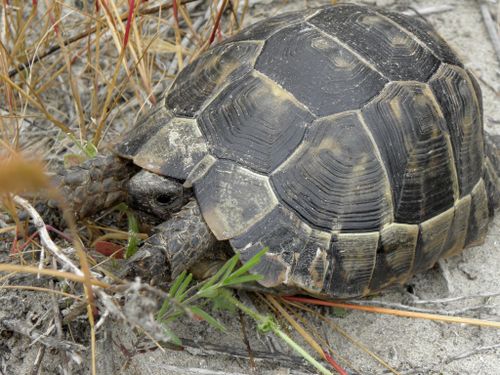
{"x":278,"y":332}
{"x":282,"y":335}
{"x":247,"y":310}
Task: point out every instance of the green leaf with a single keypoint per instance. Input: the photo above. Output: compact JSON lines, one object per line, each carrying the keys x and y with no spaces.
{"x":242,"y":279}
{"x":132,"y":245}
{"x":222,"y":302}
{"x":253,"y":261}
{"x":172,"y":337}
{"x":339,"y":312}
{"x":133,"y":230}
{"x":179,"y":294}
{"x":172,"y":316}
{"x":208,"y":293}
{"x":267,"y":324}
{"x":207,"y":317}
{"x":231,"y":264}
{"x":219,"y":273}
{"x":88,"y":148}
{"x":172,"y":292}
{"x":163,"y":309}
{"x":177,"y":283}
{"x":133,"y":235}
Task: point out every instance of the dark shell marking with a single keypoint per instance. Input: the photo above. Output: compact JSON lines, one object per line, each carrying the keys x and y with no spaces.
{"x":335,"y":181}
{"x":409,"y":128}
{"x":347,"y":139}
{"x":393,"y":51}
{"x":200,"y":81}
{"x":321,"y":73}
{"x":457,"y":97}
{"x":258,"y":134}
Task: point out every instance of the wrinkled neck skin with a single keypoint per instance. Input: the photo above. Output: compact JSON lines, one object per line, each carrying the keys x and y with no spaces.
{"x":156,"y":198}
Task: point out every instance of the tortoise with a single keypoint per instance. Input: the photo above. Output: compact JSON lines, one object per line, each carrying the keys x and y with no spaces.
{"x":347,"y":139}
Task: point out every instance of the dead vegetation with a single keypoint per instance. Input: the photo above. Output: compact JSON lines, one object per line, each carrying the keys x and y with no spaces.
{"x":73,"y":76}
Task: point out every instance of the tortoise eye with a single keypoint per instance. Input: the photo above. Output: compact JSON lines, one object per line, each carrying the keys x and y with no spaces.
{"x":164,"y":199}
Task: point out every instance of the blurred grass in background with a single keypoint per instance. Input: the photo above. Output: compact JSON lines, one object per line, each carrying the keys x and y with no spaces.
{"x":75,"y":73}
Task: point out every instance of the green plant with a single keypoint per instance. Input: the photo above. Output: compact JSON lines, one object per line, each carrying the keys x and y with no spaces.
{"x":186,"y":298}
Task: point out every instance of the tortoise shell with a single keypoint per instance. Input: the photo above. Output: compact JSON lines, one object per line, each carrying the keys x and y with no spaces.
{"x":346,"y":139}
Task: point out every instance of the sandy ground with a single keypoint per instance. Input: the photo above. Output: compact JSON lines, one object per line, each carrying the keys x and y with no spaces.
{"x":408,"y":345}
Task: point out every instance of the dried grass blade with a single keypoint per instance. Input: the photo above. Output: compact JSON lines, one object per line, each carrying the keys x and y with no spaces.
{"x":37,"y":103}
{"x":47,"y":272}
{"x":72,"y":83}
{"x":405,"y":314}
{"x":337,"y":328}
{"x":307,"y":337}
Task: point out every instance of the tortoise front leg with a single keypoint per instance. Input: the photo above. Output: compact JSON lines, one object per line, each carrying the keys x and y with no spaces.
{"x":95,"y":185}
{"x":176,"y":245}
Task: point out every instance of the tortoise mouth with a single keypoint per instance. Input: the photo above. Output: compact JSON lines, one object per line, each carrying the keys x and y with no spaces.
{"x":154,"y":210}
{"x":146,"y":220}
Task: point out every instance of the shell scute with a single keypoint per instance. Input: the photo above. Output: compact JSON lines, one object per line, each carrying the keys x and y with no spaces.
{"x":174,"y":150}
{"x":432,"y":238}
{"x":479,"y":215}
{"x":353,"y":262}
{"x":203,"y":78}
{"x":233,"y":198}
{"x":395,"y":255}
{"x":455,"y":93}
{"x":300,"y":251}
{"x":425,"y":33}
{"x":318,"y":71}
{"x":392,"y":51}
{"x":262,"y":30}
{"x":254,"y":123}
{"x":458,"y":230}
{"x":145,"y":129}
{"x":410,"y":131}
{"x":335,"y":181}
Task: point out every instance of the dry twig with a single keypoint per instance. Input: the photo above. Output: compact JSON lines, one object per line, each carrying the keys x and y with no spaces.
{"x":45,"y":237}
{"x":491,"y":27}
{"x":454,"y":299}
{"x":24,"y":329}
{"x":429,"y":10}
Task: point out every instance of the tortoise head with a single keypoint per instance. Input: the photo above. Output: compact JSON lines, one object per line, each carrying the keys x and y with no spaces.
{"x":156,"y":195}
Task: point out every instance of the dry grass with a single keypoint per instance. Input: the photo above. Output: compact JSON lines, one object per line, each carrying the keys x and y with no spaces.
{"x":72,"y":78}
{"x":76,"y":69}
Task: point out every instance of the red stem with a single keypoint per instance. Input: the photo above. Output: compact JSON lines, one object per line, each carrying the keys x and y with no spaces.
{"x":217,"y":22}
{"x":175,"y":10}
{"x":334,"y":363}
{"x":131,"y":7}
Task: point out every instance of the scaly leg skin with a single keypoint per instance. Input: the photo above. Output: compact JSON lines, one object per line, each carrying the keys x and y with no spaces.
{"x":176,"y":245}
{"x":492,"y":171}
{"x":95,"y":185}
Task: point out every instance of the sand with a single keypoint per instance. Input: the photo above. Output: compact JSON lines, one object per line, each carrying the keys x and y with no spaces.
{"x":408,"y":345}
